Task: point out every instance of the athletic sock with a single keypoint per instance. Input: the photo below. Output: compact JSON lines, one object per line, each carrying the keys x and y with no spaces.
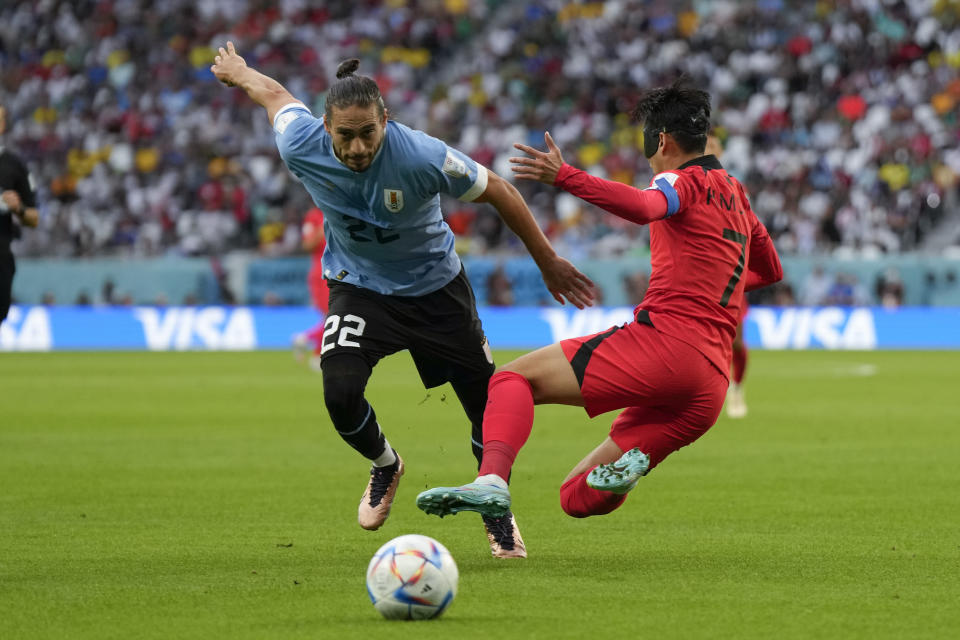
{"x":492,"y":479}
{"x":739,"y":363}
{"x":580,"y":500}
{"x":507,"y":422}
{"x":388,"y":457}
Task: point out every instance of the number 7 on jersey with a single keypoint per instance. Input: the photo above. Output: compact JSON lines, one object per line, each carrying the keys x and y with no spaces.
{"x":739,"y":238}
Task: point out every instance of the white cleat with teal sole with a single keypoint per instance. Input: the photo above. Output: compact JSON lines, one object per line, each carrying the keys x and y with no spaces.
{"x":487,"y":498}
{"x":620,"y":476}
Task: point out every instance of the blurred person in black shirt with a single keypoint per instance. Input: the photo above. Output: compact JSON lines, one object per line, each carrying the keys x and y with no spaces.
{"x":18,"y":207}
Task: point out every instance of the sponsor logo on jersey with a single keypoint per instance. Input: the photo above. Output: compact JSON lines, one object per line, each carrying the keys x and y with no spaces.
{"x":393,"y":199}
{"x":454,"y":166}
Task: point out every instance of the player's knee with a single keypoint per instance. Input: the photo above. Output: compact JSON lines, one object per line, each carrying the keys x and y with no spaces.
{"x":344,"y":381}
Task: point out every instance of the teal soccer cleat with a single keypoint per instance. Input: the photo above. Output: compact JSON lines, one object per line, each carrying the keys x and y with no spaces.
{"x":620,"y":476}
{"x":487,"y":499}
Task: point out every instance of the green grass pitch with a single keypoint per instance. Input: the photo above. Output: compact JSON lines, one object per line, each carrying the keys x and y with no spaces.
{"x":206,"y":495}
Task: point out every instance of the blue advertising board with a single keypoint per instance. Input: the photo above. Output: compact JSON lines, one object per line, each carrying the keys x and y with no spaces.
{"x":38,"y":328}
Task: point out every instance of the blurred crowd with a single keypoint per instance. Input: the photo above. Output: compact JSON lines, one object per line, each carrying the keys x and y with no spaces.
{"x":839,"y":117}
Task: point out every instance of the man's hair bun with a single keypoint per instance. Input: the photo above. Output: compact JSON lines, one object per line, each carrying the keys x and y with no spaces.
{"x":347,"y":67}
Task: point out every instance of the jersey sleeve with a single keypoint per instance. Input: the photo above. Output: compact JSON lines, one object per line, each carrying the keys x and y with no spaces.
{"x":294,"y":127}
{"x":679,"y":189}
{"x":450,"y":171}
{"x":764,"y":267}
{"x":636,"y":205}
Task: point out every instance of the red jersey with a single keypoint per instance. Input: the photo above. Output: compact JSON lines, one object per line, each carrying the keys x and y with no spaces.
{"x":312,"y":222}
{"x":706,"y":248}
{"x":312,"y":225}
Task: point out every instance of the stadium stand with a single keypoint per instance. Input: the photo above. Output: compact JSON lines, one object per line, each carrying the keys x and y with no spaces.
{"x":841,"y":118}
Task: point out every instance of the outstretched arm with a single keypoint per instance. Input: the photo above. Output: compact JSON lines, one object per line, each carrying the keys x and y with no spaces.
{"x":636,"y":205}
{"x":563,"y":280}
{"x":232,"y":70}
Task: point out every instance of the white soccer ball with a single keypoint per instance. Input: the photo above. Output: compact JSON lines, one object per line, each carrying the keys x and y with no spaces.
{"x":412,"y":577}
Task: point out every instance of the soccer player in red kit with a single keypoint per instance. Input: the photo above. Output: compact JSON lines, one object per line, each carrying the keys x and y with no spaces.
{"x":314,"y":241}
{"x":668,"y":370}
{"x":736,"y":403}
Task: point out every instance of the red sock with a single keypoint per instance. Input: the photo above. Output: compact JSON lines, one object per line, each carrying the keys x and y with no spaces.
{"x":580,"y":501}
{"x":507,"y":421}
{"x":739,"y":363}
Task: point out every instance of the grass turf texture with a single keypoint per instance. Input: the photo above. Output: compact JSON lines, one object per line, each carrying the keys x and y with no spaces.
{"x":203,"y":495}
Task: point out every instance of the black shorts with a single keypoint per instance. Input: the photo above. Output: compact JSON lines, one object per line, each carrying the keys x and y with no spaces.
{"x":441,"y":330}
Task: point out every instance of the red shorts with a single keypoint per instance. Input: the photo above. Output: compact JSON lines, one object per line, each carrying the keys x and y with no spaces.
{"x":671,"y":394}
{"x":319,"y":292}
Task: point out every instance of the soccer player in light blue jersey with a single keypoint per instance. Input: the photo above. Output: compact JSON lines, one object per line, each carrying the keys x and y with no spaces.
{"x":395,"y":280}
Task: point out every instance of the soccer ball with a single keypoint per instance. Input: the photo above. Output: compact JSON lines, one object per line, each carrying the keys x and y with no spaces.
{"x":412,"y":577}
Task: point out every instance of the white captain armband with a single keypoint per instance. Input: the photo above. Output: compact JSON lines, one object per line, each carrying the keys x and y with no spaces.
{"x":479,"y":185}
{"x":287,"y":114}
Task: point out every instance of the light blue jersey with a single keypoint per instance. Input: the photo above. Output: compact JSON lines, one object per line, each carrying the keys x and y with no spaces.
{"x":383,"y":226}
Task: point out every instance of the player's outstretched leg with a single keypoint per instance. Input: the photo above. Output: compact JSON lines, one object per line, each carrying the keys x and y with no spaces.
{"x":487,"y":495}
{"x":504,"y":537}
{"x":621,"y":476}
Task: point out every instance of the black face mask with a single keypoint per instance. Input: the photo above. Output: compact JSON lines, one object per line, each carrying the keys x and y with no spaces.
{"x":651,"y":141}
